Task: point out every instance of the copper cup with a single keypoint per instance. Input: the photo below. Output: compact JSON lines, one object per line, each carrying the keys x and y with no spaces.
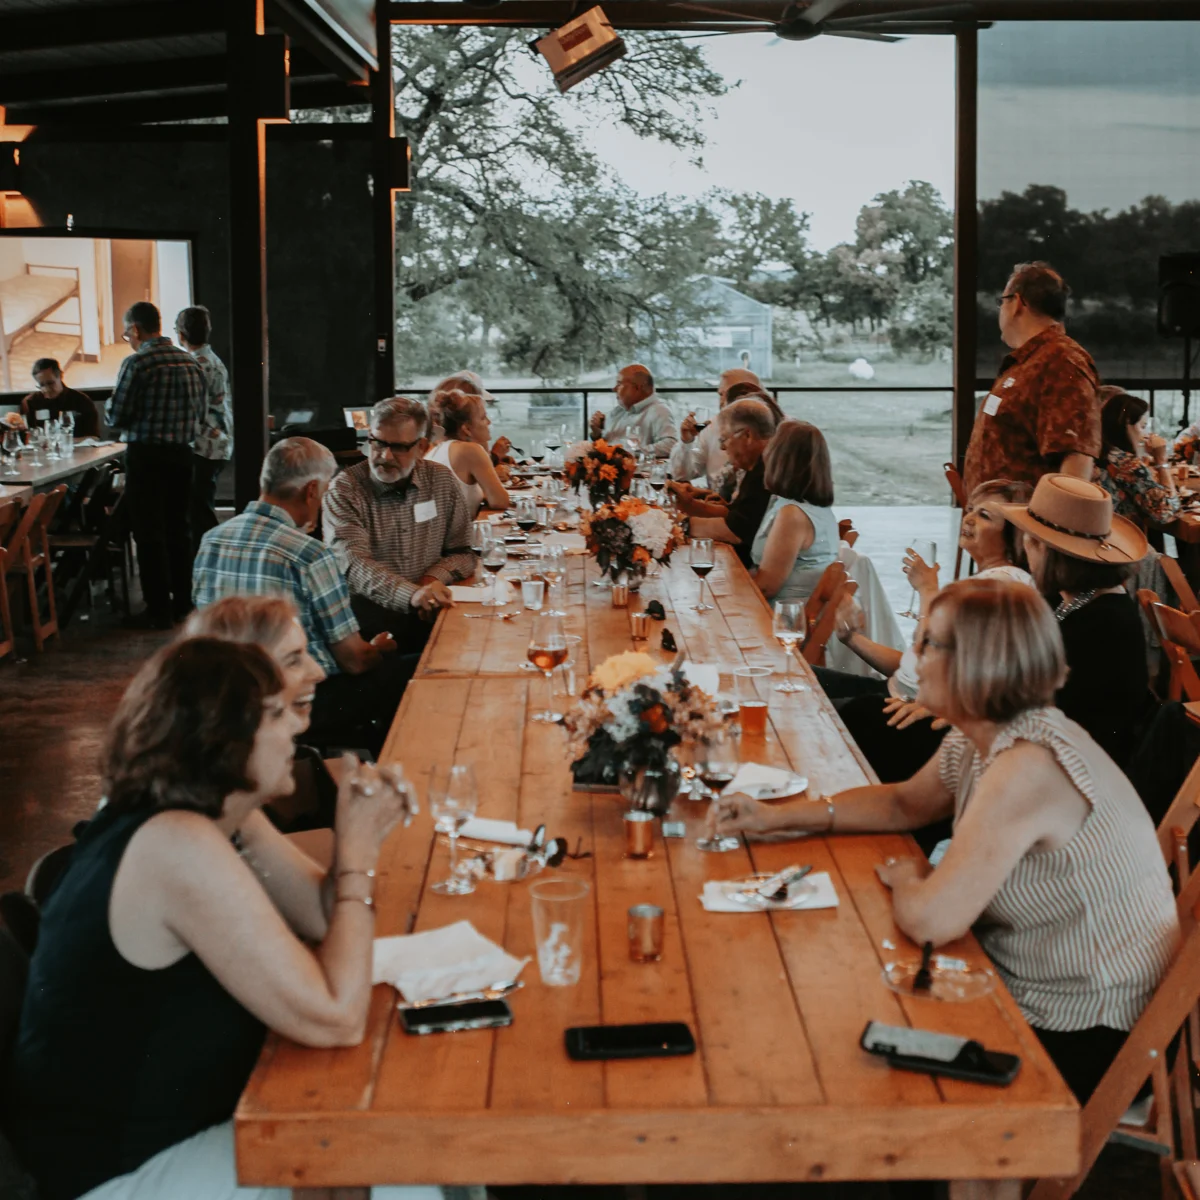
{"x":645,"y":933}
{"x":639,"y":834}
{"x":620,"y":595}
{"x":639,"y":626}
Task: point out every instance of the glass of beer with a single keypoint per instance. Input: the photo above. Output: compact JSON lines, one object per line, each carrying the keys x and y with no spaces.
{"x":750,"y":684}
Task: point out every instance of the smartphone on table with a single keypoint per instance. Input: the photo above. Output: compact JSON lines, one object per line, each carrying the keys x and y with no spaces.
{"x":939,"y":1054}
{"x":655,"y":1039}
{"x":447,"y":1018}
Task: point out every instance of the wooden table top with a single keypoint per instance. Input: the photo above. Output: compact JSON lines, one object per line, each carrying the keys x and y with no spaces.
{"x":779,"y":1089}
{"x":54,"y":472}
{"x":17,"y":491}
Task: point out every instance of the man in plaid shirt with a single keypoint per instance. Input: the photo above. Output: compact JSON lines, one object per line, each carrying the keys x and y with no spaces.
{"x":158,"y":402}
{"x":266,"y":551}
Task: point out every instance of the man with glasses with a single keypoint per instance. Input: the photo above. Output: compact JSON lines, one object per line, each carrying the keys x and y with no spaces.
{"x":400,"y":528}
{"x":639,"y":414}
{"x":157,"y":406}
{"x":53,"y":398}
{"x":1043,"y":413}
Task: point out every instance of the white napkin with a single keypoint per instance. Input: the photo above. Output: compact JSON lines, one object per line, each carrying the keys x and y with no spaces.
{"x":484,"y":829}
{"x":87,"y":442}
{"x":440,"y":962}
{"x":461,"y":594}
{"x":754,"y":780}
{"x":706,"y":678}
{"x":575,"y":543}
{"x":818,"y":891}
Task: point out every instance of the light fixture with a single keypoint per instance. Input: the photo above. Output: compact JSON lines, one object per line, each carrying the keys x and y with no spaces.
{"x":580,"y":48}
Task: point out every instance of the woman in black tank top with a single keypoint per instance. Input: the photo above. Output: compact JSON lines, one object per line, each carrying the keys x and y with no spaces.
{"x":178,"y":934}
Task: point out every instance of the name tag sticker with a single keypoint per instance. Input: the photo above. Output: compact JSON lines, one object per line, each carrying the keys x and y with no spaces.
{"x":42,"y":414}
{"x":1010,"y":382}
{"x":425,"y":511}
{"x":991,"y":406}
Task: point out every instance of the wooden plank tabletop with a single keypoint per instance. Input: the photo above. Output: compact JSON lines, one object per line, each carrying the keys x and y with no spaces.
{"x":17,"y":491}
{"x":779,"y":1089}
{"x":80,"y":459}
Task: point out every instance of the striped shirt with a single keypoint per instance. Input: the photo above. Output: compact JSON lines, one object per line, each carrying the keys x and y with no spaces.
{"x":161,"y":395}
{"x":388,"y":537}
{"x":261,"y":552}
{"x":215,"y":439}
{"x":1081,"y":935}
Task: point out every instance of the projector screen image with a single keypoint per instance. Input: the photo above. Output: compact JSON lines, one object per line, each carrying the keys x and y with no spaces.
{"x":65,"y":297}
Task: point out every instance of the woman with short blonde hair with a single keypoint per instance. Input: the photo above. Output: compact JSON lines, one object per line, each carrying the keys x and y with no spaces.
{"x":467,"y":428}
{"x":1054,"y":859}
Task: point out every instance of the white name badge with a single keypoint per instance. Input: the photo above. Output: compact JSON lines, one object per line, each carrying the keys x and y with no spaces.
{"x":425,"y":511}
{"x":1009,"y":382}
{"x":42,"y":414}
{"x":991,"y":406}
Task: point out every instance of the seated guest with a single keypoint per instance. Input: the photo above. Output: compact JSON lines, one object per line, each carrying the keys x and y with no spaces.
{"x":697,"y":453}
{"x":639,"y":415}
{"x":1054,"y":860}
{"x":400,"y":527}
{"x":469,"y":382}
{"x":54,"y":398}
{"x":185,"y":927}
{"x":798,"y":537}
{"x":267,"y":551}
{"x":467,"y":429}
{"x":746,"y":428}
{"x":1145,"y":495}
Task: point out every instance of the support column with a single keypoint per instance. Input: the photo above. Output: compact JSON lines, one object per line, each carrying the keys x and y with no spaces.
{"x":247,"y":250}
{"x":966,"y":235}
{"x":383,"y":212}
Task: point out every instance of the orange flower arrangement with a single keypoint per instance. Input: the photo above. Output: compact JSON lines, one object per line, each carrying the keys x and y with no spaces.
{"x":626,"y":537}
{"x":606,"y":471}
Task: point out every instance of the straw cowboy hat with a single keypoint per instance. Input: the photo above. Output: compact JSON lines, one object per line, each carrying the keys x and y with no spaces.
{"x":1076,"y":517}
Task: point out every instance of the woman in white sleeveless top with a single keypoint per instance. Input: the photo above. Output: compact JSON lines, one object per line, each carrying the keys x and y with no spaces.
{"x":1054,"y":861}
{"x":467,"y":427}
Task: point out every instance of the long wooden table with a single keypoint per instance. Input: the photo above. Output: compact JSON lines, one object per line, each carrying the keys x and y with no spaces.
{"x":779,"y":1089}
{"x":79,"y":460}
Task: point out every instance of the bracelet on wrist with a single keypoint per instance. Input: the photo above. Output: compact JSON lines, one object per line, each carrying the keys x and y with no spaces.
{"x":349,"y":871}
{"x":367,"y":900}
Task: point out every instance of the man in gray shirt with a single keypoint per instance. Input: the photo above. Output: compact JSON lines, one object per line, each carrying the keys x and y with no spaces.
{"x":400,"y":528}
{"x":639,"y":414}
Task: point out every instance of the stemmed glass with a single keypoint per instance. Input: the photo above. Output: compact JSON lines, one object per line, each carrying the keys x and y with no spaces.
{"x":553,"y":440}
{"x":700,"y":559}
{"x":554,"y":571}
{"x":658,"y":477}
{"x":527,"y":517}
{"x":12,"y":447}
{"x":790,"y":624}
{"x":66,"y":420}
{"x":633,"y":444}
{"x":537,"y":451}
{"x":927,"y":551}
{"x":53,"y":441}
{"x":547,"y":650}
{"x":717,"y":764}
{"x":495,"y":557}
{"x":37,"y":442}
{"x":453,"y":801}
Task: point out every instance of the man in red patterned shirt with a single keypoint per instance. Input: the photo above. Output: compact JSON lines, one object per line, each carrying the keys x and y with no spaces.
{"x":1042,"y":413}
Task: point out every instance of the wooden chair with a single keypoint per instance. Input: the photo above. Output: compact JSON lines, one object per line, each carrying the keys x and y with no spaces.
{"x":90,"y":547}
{"x":820,"y":612}
{"x":1179,"y":634}
{"x":1179,"y":583}
{"x":959,"y":491}
{"x":35,"y":556}
{"x":846,"y":531}
{"x":10,"y":514}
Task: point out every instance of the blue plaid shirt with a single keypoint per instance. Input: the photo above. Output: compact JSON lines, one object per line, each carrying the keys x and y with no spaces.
{"x":261,"y":552}
{"x":161,"y":395}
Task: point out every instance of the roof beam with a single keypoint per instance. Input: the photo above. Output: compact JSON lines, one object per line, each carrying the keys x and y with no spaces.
{"x":91,"y":24}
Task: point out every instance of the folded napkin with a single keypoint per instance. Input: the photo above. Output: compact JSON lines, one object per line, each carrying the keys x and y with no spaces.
{"x":441,"y":962}
{"x":83,"y":443}
{"x":818,"y":892}
{"x":464,"y":594}
{"x":575,"y":543}
{"x":755,"y":781}
{"x":484,"y":829}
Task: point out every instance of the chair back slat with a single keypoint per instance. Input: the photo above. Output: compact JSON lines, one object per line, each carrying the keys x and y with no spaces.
{"x":955,"y":480}
{"x":823,"y":627}
{"x":10,"y":514}
{"x":1179,"y":583}
{"x":831,"y":578}
{"x":1179,"y":634}
{"x":16,"y":540}
{"x":1182,"y":815}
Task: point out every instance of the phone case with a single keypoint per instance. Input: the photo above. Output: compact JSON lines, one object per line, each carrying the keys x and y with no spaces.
{"x":419,"y":1021}
{"x":577,"y":1048}
{"x":970,"y":1061}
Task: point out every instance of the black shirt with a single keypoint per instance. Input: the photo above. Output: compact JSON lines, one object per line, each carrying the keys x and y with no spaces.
{"x":747,"y":510}
{"x":87,"y":416}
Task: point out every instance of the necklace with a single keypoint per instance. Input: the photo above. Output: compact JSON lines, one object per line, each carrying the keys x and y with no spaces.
{"x":1067,"y":607}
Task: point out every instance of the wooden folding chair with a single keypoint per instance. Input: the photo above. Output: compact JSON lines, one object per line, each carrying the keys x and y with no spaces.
{"x":846,"y":531}
{"x":1179,"y":634}
{"x":8,"y":641}
{"x":1179,"y":583}
{"x":35,"y":556}
{"x":820,"y":612}
{"x":831,"y":578}
{"x":959,"y":491}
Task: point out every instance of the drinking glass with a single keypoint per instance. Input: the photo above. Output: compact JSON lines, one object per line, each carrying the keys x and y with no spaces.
{"x":537,"y":450}
{"x":526,"y":508}
{"x":565,"y":675}
{"x":717,"y":765}
{"x":700,"y":559}
{"x":53,"y":441}
{"x":702,"y":415}
{"x":633,"y":444}
{"x":560,"y":911}
{"x":547,"y":650}
{"x":37,"y":442}
{"x":554,"y":572}
{"x":553,"y":439}
{"x":495,"y":556}
{"x":750,"y":685}
{"x":12,"y":448}
{"x":928,"y":552}
{"x":533,"y":592}
{"x":453,"y":799}
{"x":67,"y":420}
{"x":791,"y":627}
{"x":658,"y":477}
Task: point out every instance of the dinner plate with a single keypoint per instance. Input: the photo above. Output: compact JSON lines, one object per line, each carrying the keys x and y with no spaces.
{"x":951,"y":979}
{"x":793,"y":785}
{"x":744,"y":891}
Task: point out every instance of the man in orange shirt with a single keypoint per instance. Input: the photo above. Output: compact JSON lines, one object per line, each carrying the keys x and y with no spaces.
{"x":1043,"y":413}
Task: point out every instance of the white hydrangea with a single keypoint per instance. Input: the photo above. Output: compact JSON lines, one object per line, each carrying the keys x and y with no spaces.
{"x":652,"y":529}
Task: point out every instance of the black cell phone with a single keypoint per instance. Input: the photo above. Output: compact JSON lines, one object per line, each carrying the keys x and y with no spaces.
{"x":659,"y":1039}
{"x":939,"y":1054}
{"x":446,"y":1018}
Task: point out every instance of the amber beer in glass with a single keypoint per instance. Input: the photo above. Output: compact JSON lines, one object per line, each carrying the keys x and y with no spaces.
{"x":752,"y":705}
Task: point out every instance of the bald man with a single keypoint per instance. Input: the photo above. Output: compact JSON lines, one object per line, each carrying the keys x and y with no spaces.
{"x":639,"y":414}
{"x":698,"y":455}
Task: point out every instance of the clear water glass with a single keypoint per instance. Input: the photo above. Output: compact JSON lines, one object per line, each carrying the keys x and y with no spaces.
{"x":927,"y":552}
{"x":560,"y":910}
{"x":453,"y":799}
{"x":12,"y":448}
{"x":790,"y":624}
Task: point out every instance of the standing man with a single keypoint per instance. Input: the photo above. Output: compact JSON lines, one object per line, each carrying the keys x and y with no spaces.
{"x":400,"y":528}
{"x":214,"y":444}
{"x":639,"y":413}
{"x":53,"y":398}
{"x":157,"y":406}
{"x":1042,"y":413}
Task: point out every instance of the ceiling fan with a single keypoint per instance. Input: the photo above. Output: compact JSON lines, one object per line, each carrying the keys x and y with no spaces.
{"x":801,"y":23}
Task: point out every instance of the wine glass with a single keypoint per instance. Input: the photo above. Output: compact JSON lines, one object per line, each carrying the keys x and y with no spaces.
{"x":495,"y":557}
{"x":633,"y":444}
{"x":700,"y":559}
{"x":53,"y":440}
{"x":537,"y":450}
{"x":658,"y":477}
{"x":526,"y":513}
{"x":37,"y":443}
{"x":927,"y":551}
{"x":67,"y":420}
{"x":553,"y":439}
{"x":453,"y":799}
{"x":790,"y":624}
{"x":702,"y":416}
{"x":554,"y":572}
{"x":547,"y":650}
{"x":717,"y":764}
{"x":12,"y":448}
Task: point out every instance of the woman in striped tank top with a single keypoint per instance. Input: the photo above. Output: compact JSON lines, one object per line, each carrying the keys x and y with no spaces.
{"x":1054,"y":861}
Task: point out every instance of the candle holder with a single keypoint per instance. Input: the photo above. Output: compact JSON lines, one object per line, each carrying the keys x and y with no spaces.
{"x":639,"y":626}
{"x":620,"y":595}
{"x":639,"y":834}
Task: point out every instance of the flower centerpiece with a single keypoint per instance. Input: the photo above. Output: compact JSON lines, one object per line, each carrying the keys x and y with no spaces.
{"x":13,"y":420}
{"x":1186,"y":448}
{"x":626,"y":537}
{"x":606,"y":471}
{"x":633,"y":712}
